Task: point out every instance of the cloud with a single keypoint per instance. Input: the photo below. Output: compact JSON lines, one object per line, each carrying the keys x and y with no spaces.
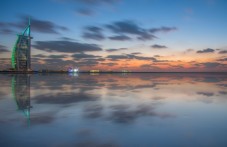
{"x":120,"y":38}
{"x":208,"y":50}
{"x":223,"y":59}
{"x":115,"y":50}
{"x":65,"y":98}
{"x":130,"y":56}
{"x":96,"y":2}
{"x":206,"y":93}
{"x":93,"y":32}
{"x":42,"y":119}
{"x":93,"y":143}
{"x":3,"y":49}
{"x":82,"y":56}
{"x":158,"y":46}
{"x":117,"y":57}
{"x":211,"y":64}
{"x":88,"y":62}
{"x":39,"y":56}
{"x":109,"y":64}
{"x":223,"y":92}
{"x":4,"y":28}
{"x":41,"y":26}
{"x":163,"y":29}
{"x":6,"y":31}
{"x":67,"y":39}
{"x":157,"y":56}
{"x":130,"y":27}
{"x":57,"y":56}
{"x":93,"y":111}
{"x":85,"y":12}
{"x":156,"y":60}
{"x":123,"y":113}
{"x":136,"y":53}
{"x":149,"y":66}
{"x":123,"y":31}
{"x":65,"y":46}
{"x":223,"y":52}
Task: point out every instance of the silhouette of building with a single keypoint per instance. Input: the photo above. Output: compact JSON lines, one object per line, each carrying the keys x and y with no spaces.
{"x":21,"y":54}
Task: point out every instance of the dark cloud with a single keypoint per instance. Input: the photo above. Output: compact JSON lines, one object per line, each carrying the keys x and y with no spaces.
{"x":93,"y":111}
{"x":206,"y":93}
{"x":38,"y":25}
{"x":157,"y":56}
{"x":156,"y":60}
{"x":88,"y":62}
{"x":4,"y":28}
{"x":2,"y":24}
{"x":223,"y":59}
{"x":163,"y":29}
{"x":222,"y":85}
{"x":117,"y":57}
{"x":6,"y":31}
{"x":67,"y":39}
{"x":123,"y":113}
{"x":52,"y":63}
{"x":65,"y":46}
{"x":223,"y":92}
{"x":120,"y":38}
{"x":93,"y":32}
{"x":129,"y":56}
{"x":109,"y":64}
{"x":115,"y":50}
{"x":149,"y":66}
{"x":123,"y":31}
{"x":136,"y":53}
{"x":158,"y":46}
{"x":85,"y":12}
{"x":96,"y":2}
{"x":211,"y":64}
{"x":208,"y":50}
{"x":42,"y":119}
{"x":65,"y":98}
{"x":130,"y":27}
{"x":39,"y":56}
{"x":3,"y":49}
{"x":223,"y":52}
{"x":82,"y":56}
{"x":93,"y":143}
{"x":57,"y":56}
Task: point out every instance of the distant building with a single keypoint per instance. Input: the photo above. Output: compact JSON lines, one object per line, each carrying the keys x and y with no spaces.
{"x":94,"y":71}
{"x":21,"y":54}
{"x":125,"y":71}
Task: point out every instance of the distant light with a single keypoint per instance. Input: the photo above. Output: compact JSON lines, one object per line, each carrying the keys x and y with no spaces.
{"x":73,"y":70}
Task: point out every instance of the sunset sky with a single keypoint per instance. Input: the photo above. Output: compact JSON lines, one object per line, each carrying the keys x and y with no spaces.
{"x":135,"y":35}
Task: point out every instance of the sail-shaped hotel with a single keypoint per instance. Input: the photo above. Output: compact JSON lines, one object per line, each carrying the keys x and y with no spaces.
{"x":21,"y":54}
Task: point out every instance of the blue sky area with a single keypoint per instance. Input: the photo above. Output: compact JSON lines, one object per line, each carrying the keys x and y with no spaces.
{"x":148,"y":35}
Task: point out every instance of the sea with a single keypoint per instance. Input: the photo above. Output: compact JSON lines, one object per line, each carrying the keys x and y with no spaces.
{"x":113,"y":110}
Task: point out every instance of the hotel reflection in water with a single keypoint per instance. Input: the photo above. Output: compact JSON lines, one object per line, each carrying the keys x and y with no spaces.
{"x":21,"y":94}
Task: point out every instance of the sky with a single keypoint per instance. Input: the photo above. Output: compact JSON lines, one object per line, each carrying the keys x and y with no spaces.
{"x":115,"y":35}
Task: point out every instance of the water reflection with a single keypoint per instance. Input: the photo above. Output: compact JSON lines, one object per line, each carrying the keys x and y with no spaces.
{"x":114,"y":110}
{"x":21,"y":93}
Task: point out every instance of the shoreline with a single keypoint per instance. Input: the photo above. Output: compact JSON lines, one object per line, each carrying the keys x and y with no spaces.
{"x":101,"y":72}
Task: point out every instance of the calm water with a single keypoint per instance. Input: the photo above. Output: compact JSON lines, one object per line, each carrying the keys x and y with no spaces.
{"x":113,"y":110}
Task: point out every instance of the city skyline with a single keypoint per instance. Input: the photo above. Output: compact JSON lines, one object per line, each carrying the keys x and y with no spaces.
{"x":146,"y":35}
